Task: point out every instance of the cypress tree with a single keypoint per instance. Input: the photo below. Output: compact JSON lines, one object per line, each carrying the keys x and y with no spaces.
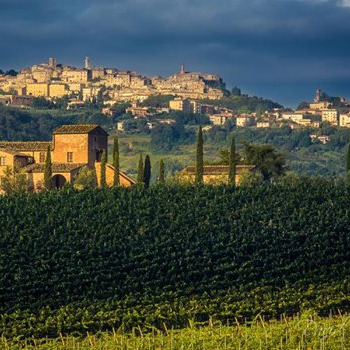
{"x":116,"y":162}
{"x":232,"y":163}
{"x":161,"y":177}
{"x":48,"y":170}
{"x":103,"y":170}
{"x":199,"y":158}
{"x":140,"y":170}
{"x":348,"y":160}
{"x":147,"y":171}
{"x":348,"y":165}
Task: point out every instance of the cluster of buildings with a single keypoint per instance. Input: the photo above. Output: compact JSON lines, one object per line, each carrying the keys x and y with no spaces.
{"x":52,"y":81}
{"x":313,"y":115}
{"x":218,"y":115}
{"x":72,"y":148}
{"x":221,"y":116}
{"x":319,"y":111}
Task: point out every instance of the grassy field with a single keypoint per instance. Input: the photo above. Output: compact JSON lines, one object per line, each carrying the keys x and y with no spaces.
{"x":305,"y":332}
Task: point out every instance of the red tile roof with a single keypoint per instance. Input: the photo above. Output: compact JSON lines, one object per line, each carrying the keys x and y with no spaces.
{"x":79,"y":129}
{"x":56,"y":167}
{"x":25,"y":146}
{"x":217,"y":169}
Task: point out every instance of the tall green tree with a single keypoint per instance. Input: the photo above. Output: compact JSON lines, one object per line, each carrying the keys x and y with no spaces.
{"x":48,"y":170}
{"x":116,"y":162}
{"x":140,"y":170}
{"x":199,"y":158}
{"x":265,"y":158}
{"x":147,"y":171}
{"x":161,"y":176}
{"x":103,"y":169}
{"x":232,"y":163}
{"x":348,"y":165}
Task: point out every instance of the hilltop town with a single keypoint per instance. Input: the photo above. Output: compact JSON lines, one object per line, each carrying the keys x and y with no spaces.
{"x":186,"y":92}
{"x":52,"y":80}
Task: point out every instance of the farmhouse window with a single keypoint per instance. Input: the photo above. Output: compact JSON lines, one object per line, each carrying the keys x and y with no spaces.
{"x":42,"y":157}
{"x":69,"y":157}
{"x":2,"y":161}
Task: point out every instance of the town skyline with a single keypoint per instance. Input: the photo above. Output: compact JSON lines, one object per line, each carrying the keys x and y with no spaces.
{"x":280,"y":50}
{"x":298,"y":94}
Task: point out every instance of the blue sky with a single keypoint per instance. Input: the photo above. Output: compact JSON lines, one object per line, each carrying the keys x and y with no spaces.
{"x":279,"y":49}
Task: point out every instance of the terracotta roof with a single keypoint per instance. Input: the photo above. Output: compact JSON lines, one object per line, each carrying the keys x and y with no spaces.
{"x":122,"y":174}
{"x":14,"y":153}
{"x":216,"y":169}
{"x":25,"y":146}
{"x":56,"y":167}
{"x":78,"y":129}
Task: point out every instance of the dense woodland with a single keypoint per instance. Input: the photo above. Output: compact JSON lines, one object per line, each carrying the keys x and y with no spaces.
{"x":73,"y":262}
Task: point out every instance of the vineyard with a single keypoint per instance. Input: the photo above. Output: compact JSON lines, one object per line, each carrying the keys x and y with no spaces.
{"x":75,"y":262}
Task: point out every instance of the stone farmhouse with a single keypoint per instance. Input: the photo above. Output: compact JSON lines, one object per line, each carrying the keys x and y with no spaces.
{"x":215,"y":174}
{"x":72,"y":148}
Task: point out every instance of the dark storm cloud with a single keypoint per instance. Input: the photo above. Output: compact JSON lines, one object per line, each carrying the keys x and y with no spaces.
{"x":251,"y":43}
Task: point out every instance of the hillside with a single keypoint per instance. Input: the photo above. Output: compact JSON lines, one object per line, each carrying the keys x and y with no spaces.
{"x":175,"y":144}
{"x":303,"y":156}
{"x":37,"y":125}
{"x":73,"y":262}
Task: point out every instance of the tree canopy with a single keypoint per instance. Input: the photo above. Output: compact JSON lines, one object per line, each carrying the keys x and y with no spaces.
{"x":157,"y":101}
{"x":86,"y":179}
{"x":266,"y":158}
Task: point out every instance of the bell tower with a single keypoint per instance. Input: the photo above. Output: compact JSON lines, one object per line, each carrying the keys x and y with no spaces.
{"x":318,"y":95}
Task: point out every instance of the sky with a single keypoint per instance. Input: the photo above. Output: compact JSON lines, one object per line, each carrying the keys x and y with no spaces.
{"x":278,"y":49}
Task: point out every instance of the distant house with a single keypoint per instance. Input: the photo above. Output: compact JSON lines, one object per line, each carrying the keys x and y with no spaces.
{"x":344,"y":120}
{"x":245,"y":120}
{"x":139,"y":112}
{"x":320,"y":105}
{"x":181,"y":104}
{"x":221,"y":119}
{"x":263,"y":124}
{"x":166,"y":121}
{"x":331,"y":116}
{"x":22,"y":101}
{"x":72,"y":148}
{"x":215,"y":174}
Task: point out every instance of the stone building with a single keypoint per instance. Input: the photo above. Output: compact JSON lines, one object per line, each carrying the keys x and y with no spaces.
{"x":73,"y":75}
{"x":72,"y":148}
{"x":221,"y":118}
{"x":180,"y":104}
{"x":58,"y":90}
{"x":344,"y":120}
{"x":38,"y":89}
{"x":215,"y":174}
{"x":331,"y":116}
